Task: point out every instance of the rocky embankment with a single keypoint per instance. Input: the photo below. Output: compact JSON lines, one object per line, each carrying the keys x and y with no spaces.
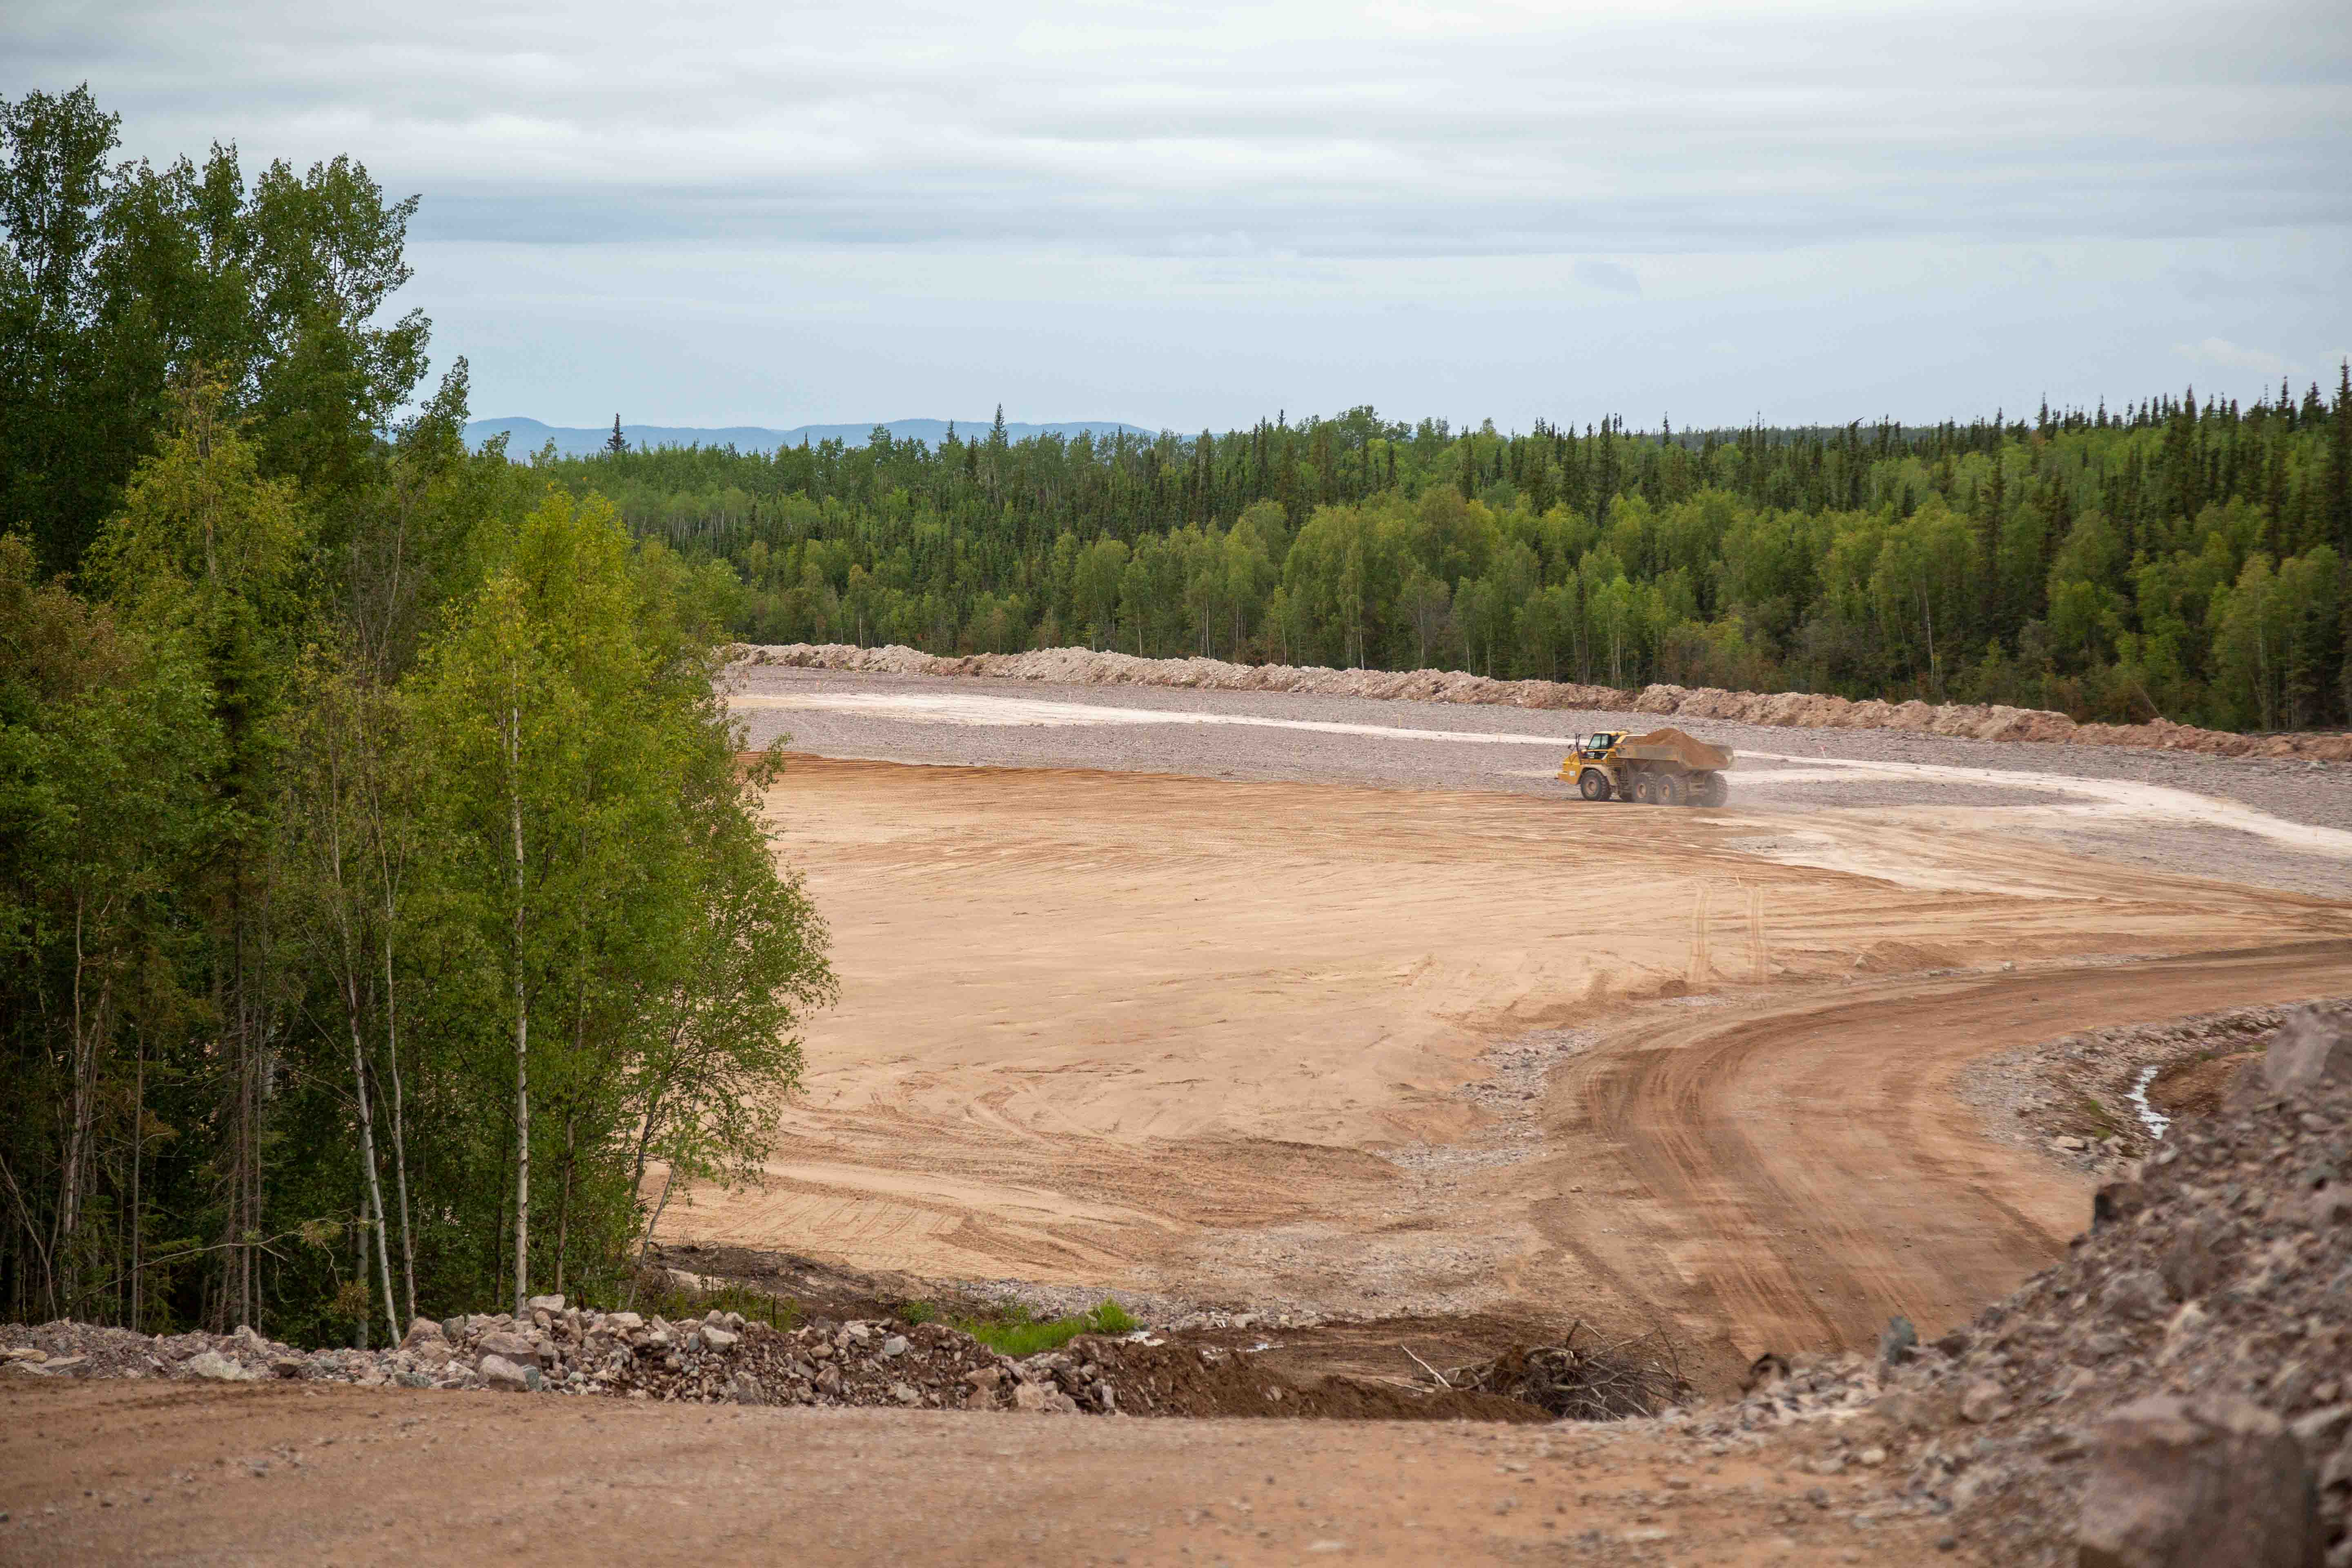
{"x":1786,"y":710}
{"x":556,"y":1348}
{"x":2183,"y":1379}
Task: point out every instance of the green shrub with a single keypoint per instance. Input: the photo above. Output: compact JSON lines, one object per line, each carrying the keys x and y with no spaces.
{"x":1014,"y":1332}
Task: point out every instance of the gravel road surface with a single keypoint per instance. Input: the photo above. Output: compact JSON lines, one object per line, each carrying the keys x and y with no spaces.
{"x":2208,"y":816}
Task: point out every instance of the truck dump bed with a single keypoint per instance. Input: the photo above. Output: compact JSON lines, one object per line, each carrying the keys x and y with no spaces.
{"x":1673,"y":747}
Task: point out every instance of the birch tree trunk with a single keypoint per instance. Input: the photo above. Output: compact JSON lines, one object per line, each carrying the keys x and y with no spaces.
{"x":523,"y":1014}
{"x":367,"y":1159}
{"x":352,"y":1010}
{"x":399,"y":1126}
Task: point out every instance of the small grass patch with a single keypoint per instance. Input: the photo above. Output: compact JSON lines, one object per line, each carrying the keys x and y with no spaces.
{"x":1014,"y":1332}
{"x":2089,"y":1119}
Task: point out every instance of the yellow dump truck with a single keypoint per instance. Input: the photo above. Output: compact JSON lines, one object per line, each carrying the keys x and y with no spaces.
{"x":1664,"y":767}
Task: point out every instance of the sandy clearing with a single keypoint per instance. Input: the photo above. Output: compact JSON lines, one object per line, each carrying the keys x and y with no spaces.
{"x":1236,"y":1041}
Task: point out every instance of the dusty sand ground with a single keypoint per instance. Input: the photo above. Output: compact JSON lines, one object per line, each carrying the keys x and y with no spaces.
{"x":1438,"y":1041}
{"x":120,"y":1472}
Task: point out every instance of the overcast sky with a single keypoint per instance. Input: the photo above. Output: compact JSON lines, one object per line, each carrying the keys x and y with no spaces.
{"x":1184,"y":214}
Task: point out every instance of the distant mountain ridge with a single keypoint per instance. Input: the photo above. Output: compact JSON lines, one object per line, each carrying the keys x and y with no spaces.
{"x":525,"y":436}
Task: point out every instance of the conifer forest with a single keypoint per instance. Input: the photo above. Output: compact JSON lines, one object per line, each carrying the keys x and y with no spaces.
{"x":2174,"y":557}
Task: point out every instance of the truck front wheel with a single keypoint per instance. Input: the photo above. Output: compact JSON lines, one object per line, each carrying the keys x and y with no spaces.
{"x":1593,"y":784}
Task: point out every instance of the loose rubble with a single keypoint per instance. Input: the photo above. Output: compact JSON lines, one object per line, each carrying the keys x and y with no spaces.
{"x":560,"y":1349}
{"x":1788,"y":709}
{"x":2217,"y":1277}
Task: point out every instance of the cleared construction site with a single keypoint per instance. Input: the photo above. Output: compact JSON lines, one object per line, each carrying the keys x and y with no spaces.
{"x":1382,"y":1066}
{"x":1323,"y":1008}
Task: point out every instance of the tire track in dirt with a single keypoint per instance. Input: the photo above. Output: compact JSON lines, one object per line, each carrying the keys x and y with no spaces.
{"x":1882,"y":1194}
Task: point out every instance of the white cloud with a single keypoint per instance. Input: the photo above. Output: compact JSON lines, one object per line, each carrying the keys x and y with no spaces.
{"x":2228,"y":355}
{"x":1182,"y":211}
{"x":1317,"y":126}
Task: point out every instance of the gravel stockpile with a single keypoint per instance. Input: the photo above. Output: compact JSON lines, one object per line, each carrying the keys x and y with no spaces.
{"x":1788,"y":709}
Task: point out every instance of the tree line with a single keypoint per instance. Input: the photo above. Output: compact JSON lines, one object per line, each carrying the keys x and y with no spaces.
{"x":2177,"y":557}
{"x":381,"y":892}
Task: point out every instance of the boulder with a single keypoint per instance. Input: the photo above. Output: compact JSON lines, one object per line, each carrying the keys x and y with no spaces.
{"x":2116,"y":1201}
{"x":2135,"y":1293}
{"x":2312,"y":1047}
{"x":219,"y":1368}
{"x":1983,"y":1400}
{"x":423,"y":1331}
{"x":508,"y":1377}
{"x":2172,"y":1480}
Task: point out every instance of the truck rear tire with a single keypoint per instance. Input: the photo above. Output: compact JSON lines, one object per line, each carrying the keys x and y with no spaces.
{"x":1667,"y":790}
{"x":1639,"y":790}
{"x":1709,"y":789}
{"x":1593,"y":784}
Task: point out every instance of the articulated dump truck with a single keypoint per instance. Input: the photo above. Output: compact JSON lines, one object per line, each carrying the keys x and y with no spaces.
{"x":1664,"y":767}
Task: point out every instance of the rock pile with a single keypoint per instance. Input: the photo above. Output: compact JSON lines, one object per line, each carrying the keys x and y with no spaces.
{"x":1786,"y":709}
{"x":555,"y":1348}
{"x":2200,"y":1330}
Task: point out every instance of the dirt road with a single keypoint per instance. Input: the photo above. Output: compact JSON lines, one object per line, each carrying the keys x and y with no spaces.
{"x":120,"y":1472}
{"x":1801,"y":1171}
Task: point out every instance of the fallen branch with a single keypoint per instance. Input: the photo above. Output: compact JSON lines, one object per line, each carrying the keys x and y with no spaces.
{"x":1637,"y":1376}
{"x":1435,"y":1376}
